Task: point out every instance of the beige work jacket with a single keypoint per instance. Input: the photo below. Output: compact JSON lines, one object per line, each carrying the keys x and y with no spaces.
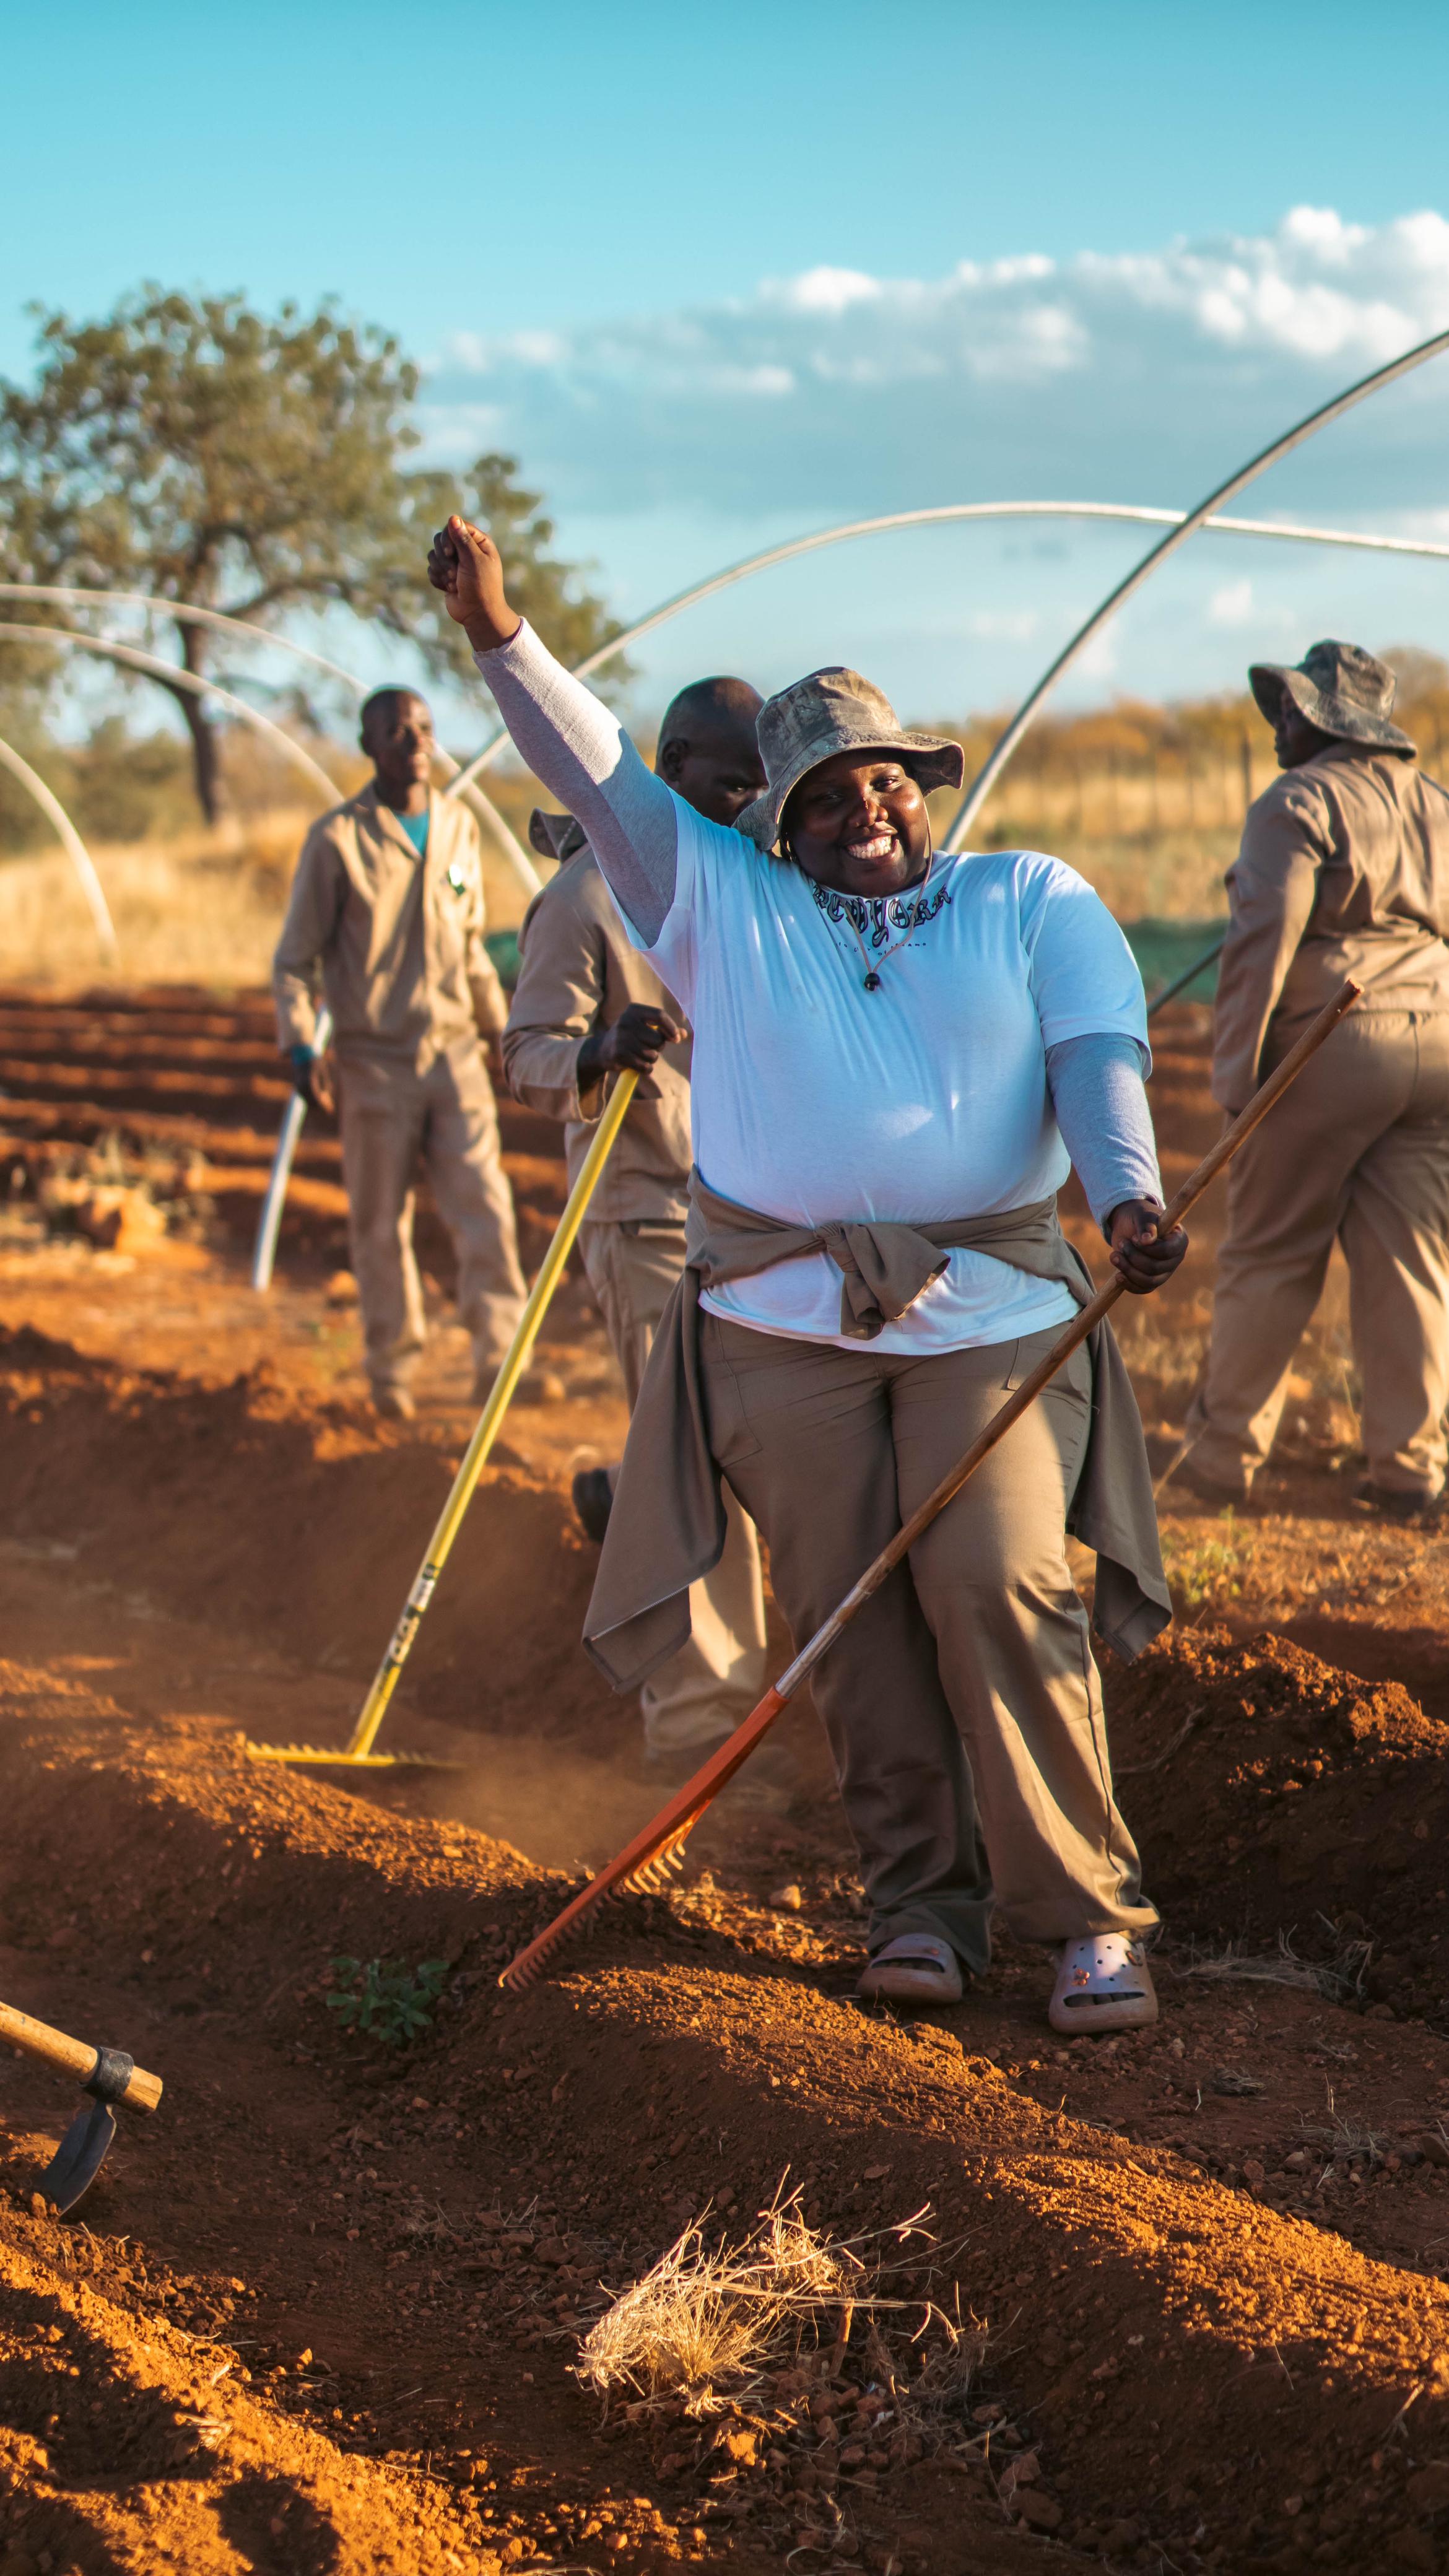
{"x":579,"y":972}
{"x":667,"y":1528}
{"x":396,"y":941}
{"x":1343,"y":870}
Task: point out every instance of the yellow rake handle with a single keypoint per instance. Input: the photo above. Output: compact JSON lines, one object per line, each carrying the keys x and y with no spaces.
{"x":475,"y":1457}
{"x":655,"y":1851}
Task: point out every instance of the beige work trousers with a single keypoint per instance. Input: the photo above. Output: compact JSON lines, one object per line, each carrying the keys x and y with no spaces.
{"x":1357,"y":1152}
{"x":395,"y":1122}
{"x":962,"y":1703}
{"x":717,"y":1677}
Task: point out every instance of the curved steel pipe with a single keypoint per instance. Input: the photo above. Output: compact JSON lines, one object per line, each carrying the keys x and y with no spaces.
{"x":70,"y":839}
{"x":269,"y":1224}
{"x":1286,"y":532}
{"x":183,"y":610}
{"x":185,"y":614}
{"x":155,"y":668}
{"x":1118,"y":596}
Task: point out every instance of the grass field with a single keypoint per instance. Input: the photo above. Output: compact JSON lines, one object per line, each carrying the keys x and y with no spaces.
{"x":205,"y":907}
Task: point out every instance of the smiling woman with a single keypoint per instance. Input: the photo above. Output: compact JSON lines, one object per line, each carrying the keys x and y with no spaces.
{"x":895,"y":1059}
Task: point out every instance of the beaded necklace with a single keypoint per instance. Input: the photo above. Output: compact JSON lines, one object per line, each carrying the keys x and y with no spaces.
{"x":836,"y":907}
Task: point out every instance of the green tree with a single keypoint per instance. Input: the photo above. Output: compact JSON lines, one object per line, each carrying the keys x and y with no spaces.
{"x":221,"y":458}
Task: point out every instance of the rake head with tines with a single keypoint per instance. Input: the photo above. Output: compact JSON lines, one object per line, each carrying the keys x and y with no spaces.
{"x":659,"y":1846}
{"x":646,"y":1864}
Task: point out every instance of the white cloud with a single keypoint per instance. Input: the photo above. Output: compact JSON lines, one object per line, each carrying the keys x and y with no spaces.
{"x":1010,"y":625}
{"x":829,"y":290}
{"x":1100,"y":659}
{"x":1141,"y":374}
{"x":1232,"y":604}
{"x":670,"y":443}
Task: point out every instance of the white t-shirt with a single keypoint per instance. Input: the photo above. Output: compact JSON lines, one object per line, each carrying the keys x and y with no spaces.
{"x":815,"y":1100}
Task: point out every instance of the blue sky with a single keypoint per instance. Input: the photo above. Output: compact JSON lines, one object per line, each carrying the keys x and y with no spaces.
{"x":720,"y":276}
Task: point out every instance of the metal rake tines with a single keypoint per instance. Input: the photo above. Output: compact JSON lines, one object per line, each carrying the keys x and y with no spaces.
{"x":336,"y":1758}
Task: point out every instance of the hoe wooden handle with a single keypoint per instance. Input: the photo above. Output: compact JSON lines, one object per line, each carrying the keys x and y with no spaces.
{"x":109,"y":2070}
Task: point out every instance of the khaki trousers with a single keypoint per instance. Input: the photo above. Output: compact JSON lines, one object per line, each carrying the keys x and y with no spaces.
{"x":395,"y":1121}
{"x":716,"y":1679}
{"x":962,"y":1703}
{"x":1357,"y":1152}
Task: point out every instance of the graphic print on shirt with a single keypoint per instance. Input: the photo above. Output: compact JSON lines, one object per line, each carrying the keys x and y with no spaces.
{"x":873,"y":918}
{"x":876,"y":917}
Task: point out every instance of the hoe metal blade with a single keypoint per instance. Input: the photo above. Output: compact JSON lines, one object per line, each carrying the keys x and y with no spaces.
{"x":79,"y":2157}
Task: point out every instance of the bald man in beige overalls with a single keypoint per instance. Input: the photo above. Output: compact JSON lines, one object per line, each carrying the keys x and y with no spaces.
{"x":1343,"y":870}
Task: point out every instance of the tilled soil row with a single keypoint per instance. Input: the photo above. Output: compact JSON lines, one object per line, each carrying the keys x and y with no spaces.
{"x":1276,"y":1793}
{"x":1271,"y":1791}
{"x":301,"y":1525}
{"x":175,"y":1069}
{"x":1199,"y":2374}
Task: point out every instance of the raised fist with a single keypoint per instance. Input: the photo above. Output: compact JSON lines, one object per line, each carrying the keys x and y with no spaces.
{"x":465,"y":565}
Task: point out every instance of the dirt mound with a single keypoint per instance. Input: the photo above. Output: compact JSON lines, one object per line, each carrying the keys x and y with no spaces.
{"x":300,"y":1524}
{"x":1270,"y":1788}
{"x":325,"y":2306}
{"x":135,"y":2446}
{"x":369,"y":2234}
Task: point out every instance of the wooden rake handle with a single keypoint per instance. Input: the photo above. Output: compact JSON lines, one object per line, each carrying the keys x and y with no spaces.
{"x":657,"y":1847}
{"x":109,"y":2070}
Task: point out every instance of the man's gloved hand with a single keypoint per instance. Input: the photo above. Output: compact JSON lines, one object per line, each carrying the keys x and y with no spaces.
{"x":636,"y":1041}
{"x":1143,"y":1259}
{"x":311,"y":1075}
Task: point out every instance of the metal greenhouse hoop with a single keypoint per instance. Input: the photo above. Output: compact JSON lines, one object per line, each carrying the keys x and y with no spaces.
{"x":187,"y":614}
{"x":70,"y":839}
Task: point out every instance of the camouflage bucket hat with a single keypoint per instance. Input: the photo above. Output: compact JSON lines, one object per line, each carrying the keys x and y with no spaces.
{"x":1339,"y":688}
{"x":833,"y":711}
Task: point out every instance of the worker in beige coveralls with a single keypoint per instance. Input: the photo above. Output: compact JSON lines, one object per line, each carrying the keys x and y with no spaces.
{"x":386,"y":911}
{"x":1343,"y":870}
{"x":587,"y":1005}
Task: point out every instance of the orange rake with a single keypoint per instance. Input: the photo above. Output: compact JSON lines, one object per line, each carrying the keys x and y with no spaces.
{"x":646,"y":1862}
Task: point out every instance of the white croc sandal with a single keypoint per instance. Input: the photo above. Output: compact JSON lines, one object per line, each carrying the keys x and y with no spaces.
{"x":913,"y":1969}
{"x":1103,"y":1983}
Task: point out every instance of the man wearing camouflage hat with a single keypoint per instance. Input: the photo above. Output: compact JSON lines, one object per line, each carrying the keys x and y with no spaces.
{"x":1343,"y":870}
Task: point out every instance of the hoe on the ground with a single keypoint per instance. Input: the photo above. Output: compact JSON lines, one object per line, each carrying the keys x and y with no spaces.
{"x":107,"y":2074}
{"x":357,"y":1753}
{"x":644,"y":1863}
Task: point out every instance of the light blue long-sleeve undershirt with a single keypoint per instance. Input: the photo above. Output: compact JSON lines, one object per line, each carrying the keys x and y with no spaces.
{"x":582,"y":754}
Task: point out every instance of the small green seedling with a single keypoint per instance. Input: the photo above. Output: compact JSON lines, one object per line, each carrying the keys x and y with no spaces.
{"x":386,"y":1997}
{"x":1212,"y":1570}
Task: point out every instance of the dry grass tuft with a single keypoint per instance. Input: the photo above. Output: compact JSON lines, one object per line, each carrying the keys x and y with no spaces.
{"x":1346,"y":2141}
{"x":1338,"y":1978}
{"x":204,"y":908}
{"x":709,"y":2318}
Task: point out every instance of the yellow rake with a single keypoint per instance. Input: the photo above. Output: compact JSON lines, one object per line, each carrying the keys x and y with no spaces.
{"x":357,"y":1753}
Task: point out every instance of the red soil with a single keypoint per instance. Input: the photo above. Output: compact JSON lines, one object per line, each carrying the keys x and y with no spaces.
{"x":319,"y":2313}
